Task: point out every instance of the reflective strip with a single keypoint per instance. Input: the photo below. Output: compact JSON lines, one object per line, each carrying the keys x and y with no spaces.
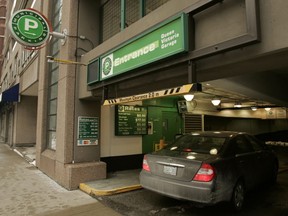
{"x":150,"y":95}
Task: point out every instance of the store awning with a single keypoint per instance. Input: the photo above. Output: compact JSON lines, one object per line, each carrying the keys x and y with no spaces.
{"x":11,"y":94}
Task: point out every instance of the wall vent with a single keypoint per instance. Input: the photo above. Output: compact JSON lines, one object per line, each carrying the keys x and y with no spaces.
{"x":192,"y":123}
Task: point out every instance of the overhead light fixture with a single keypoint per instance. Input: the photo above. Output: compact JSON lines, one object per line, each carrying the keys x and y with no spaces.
{"x":216,"y":101}
{"x":195,"y":87}
{"x":189,"y":97}
{"x":267,"y":108}
{"x":237,"y":105}
{"x":254,"y":108}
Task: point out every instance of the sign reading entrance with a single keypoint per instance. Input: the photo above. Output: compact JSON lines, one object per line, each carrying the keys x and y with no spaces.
{"x":29,"y":27}
{"x":130,"y":120}
{"x":168,"y":39}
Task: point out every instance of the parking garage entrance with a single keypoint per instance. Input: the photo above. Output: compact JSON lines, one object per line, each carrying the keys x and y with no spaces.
{"x":143,"y":126}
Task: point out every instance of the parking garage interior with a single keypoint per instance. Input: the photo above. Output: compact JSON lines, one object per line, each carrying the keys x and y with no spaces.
{"x":170,"y":116}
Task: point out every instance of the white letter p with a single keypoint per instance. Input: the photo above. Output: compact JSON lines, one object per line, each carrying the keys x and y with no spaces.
{"x":29,"y":23}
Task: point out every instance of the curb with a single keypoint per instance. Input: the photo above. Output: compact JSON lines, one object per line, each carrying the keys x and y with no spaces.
{"x":92,"y":191}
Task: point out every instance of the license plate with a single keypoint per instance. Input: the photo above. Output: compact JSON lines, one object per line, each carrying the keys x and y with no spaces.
{"x":170,"y":170}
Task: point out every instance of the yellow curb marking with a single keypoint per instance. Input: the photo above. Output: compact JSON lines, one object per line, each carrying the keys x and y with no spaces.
{"x":91,"y":191}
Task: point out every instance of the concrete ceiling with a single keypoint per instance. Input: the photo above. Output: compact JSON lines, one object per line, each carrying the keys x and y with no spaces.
{"x":262,"y":88}
{"x":262,"y":79}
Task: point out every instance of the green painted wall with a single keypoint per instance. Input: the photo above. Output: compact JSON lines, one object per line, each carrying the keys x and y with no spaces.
{"x":165,"y":122}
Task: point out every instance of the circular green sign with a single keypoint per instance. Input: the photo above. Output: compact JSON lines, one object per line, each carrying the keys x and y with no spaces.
{"x":29,"y":27}
{"x":107,"y":66}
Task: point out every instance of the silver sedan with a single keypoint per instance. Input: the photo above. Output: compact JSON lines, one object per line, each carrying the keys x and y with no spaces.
{"x":210,"y":167}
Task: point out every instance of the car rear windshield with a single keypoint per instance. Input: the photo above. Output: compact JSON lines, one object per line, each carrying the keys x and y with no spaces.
{"x":198,"y":144}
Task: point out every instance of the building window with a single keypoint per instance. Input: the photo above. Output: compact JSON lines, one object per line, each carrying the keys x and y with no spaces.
{"x":53,"y":70}
{"x":18,"y":66}
{"x":16,"y":69}
{"x":111,"y":17}
{"x":152,"y":5}
{"x":7,"y":56}
{"x":117,"y":14}
{"x":27,"y":55}
{"x":10,"y":75}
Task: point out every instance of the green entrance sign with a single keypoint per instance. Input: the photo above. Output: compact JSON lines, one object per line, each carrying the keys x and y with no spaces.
{"x":163,"y":41}
{"x":29,"y":27}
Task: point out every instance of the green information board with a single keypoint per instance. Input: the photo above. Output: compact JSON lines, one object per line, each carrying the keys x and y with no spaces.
{"x":88,"y":130}
{"x":163,"y":41}
{"x":130,"y":120}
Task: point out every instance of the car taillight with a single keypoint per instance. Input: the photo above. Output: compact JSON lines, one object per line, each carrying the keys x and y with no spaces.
{"x":206,"y":173}
{"x":145,"y":165}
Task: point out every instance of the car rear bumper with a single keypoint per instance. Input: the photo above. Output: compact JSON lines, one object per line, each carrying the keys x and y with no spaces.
{"x":201,"y":192}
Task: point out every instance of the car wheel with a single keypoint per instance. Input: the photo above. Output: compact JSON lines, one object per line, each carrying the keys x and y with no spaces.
{"x":238,"y":195}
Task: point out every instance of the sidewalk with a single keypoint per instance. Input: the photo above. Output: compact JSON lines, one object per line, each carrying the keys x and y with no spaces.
{"x":117,"y":182}
{"x":26,"y":191}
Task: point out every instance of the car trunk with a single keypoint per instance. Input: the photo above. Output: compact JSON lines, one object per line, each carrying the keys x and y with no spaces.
{"x":177,"y":165}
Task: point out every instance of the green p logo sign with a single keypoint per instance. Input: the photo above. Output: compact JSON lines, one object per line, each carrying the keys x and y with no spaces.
{"x":29,"y":27}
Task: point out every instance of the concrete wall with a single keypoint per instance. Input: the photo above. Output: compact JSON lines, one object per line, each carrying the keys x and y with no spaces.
{"x":29,"y":78}
{"x":26,"y":115}
{"x":21,"y":67}
{"x":86,"y":153}
{"x":67,"y":165}
{"x":222,"y":22}
{"x":219,"y":23}
{"x":252,"y":59}
{"x":112,"y":145}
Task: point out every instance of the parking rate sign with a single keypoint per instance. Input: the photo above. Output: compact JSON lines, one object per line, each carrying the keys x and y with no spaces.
{"x":29,"y":27}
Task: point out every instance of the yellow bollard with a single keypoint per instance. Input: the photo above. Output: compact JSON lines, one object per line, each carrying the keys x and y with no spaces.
{"x":161,"y":144}
{"x":156,"y":147}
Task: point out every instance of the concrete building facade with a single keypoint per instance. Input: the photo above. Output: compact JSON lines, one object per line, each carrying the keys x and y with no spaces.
{"x":3,"y":4}
{"x":59,"y":96}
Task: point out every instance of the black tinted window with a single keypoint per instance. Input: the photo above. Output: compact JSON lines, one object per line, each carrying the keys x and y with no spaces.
{"x":257,"y":145}
{"x":241,"y":145}
{"x":198,"y":144}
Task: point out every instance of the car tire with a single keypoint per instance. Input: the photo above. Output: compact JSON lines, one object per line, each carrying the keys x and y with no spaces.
{"x":238,"y":196}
